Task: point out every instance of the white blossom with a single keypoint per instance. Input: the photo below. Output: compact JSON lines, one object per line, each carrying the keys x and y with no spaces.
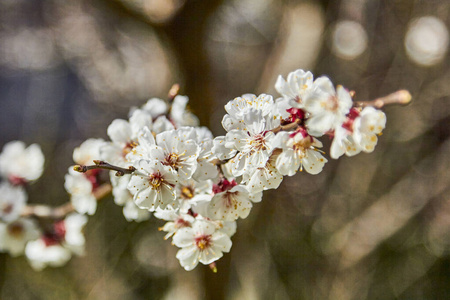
{"x":162,"y":124}
{"x":153,"y":185}
{"x":74,"y":237}
{"x":366,"y":128}
{"x":15,"y":235}
{"x":143,"y":147}
{"x":176,"y":220}
{"x":80,"y":189}
{"x":124,"y":135}
{"x":191,"y":193}
{"x":120,"y":191}
{"x":55,"y":248}
{"x":281,"y":106}
{"x":205,"y":168}
{"x":12,"y":201}
{"x":255,"y":143}
{"x":220,"y":151}
{"x":132,"y":212}
{"x":297,"y":88}
{"x":229,"y":228}
{"x":18,"y":163}
{"x":156,"y":107}
{"x":230,"y":202}
{"x":198,"y":184}
{"x":300,"y":151}
{"x":202,"y":242}
{"x":88,"y":151}
{"x":326,"y":106}
{"x":239,"y":106}
{"x":263,"y":178}
{"x":358,"y":133}
{"x":343,"y":143}
{"x":41,"y":255}
{"x":179,"y":113}
{"x":176,"y":149}
{"x":81,"y":186}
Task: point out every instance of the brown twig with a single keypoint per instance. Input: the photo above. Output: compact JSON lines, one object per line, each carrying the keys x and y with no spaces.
{"x":44,"y":211}
{"x":401,"y":97}
{"x":106,"y":166}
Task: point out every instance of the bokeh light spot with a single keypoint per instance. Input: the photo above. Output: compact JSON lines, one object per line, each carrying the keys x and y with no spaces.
{"x":349,"y":39}
{"x":426,"y":41}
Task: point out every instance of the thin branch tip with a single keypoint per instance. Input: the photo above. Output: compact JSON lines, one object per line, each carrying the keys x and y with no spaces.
{"x":401,"y":97}
{"x":174,"y":90}
{"x":404,"y":97}
{"x":99,"y":164}
{"x":80,"y":168}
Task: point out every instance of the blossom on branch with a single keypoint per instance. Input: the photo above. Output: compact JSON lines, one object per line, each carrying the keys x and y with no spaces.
{"x":297,"y":88}
{"x":12,"y":201}
{"x":20,"y":165}
{"x":159,"y":161}
{"x":358,"y":133}
{"x":153,"y":185}
{"x":300,"y":151}
{"x":326,"y":107}
{"x":203,"y":242}
{"x":254,"y":142}
{"x":16,"y":234}
{"x":81,"y":186}
{"x":56,"y":246}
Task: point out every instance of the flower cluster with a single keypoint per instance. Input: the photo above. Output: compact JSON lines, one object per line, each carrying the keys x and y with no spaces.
{"x":201,"y":185}
{"x":43,"y":243}
{"x":162,"y":162}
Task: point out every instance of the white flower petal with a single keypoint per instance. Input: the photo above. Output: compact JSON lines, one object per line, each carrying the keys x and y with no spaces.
{"x":119,"y":131}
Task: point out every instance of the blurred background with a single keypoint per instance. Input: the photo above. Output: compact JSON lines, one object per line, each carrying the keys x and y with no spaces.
{"x":375,"y":226}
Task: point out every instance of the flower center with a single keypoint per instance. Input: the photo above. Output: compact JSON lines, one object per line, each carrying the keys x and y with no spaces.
{"x":15,"y":180}
{"x":172,"y":160}
{"x":7,"y":208}
{"x":351,"y":116}
{"x":332,"y":104}
{"x":56,"y":235}
{"x":129,"y":147}
{"x":203,"y":242}
{"x":295,"y":114}
{"x":16,"y":230}
{"x":223,"y":185}
{"x":258,"y":143}
{"x":230,"y":198}
{"x":348,"y":125}
{"x":155,"y":180}
{"x":187,"y":192}
{"x":180,"y":223}
{"x":301,"y":146}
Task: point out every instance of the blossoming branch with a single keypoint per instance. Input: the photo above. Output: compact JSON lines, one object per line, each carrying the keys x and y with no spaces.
{"x":160,"y":162}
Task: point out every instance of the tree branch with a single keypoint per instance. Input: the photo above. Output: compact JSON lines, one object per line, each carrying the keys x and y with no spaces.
{"x":106,"y":166}
{"x":401,"y":97}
